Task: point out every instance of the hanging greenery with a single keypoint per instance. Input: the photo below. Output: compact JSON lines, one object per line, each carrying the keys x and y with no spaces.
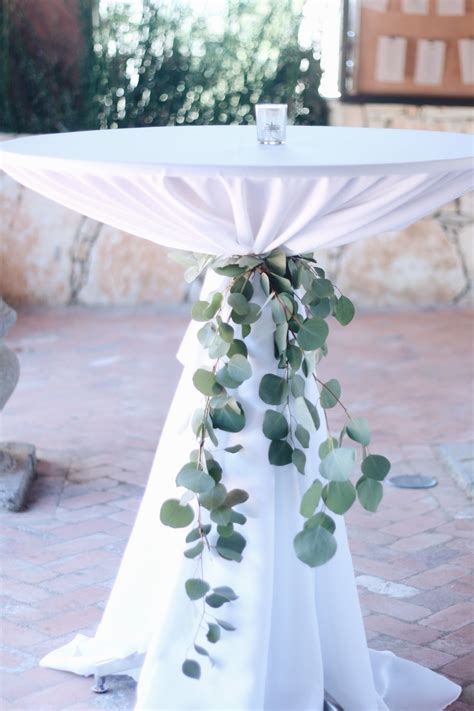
{"x":301,"y":299}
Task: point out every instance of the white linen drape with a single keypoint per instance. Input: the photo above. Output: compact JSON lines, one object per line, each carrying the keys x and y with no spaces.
{"x":213,"y":190}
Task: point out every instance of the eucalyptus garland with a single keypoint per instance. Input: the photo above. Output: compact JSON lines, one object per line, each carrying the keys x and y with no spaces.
{"x":301,"y":299}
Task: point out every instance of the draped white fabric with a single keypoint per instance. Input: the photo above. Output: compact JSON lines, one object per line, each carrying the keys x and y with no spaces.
{"x":299,"y":631}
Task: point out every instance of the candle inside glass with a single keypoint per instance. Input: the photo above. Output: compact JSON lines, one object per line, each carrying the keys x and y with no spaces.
{"x":271,"y":123}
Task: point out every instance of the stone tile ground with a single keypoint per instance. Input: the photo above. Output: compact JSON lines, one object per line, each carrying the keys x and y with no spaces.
{"x":93,"y":395}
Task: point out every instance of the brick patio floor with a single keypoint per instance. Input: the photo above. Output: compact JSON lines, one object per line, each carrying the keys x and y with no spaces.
{"x":93,"y":396}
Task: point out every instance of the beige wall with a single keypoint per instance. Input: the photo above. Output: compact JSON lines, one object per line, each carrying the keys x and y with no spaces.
{"x":51,"y":255}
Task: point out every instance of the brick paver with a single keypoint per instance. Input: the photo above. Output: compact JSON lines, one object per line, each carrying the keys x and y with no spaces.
{"x":93,"y":396}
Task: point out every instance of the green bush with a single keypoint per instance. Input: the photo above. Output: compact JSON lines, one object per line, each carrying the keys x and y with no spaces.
{"x":163,"y":67}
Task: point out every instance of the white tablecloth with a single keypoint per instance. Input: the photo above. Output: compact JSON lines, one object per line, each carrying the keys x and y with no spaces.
{"x":299,"y":631}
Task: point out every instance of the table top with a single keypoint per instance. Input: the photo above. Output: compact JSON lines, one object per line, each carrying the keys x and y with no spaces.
{"x":233,"y":150}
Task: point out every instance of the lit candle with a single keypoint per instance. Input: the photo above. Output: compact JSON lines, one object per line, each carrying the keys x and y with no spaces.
{"x":271,"y":123}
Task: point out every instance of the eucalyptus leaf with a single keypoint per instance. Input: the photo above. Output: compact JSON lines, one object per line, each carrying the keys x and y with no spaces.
{"x":230,"y":270}
{"x":321,"y":519}
{"x":205,"y":381}
{"x":174,"y":515}
{"x":311,"y":499}
{"x":275,"y":425}
{"x":278,"y":311}
{"x":327,"y":446}
{"x":280,"y":284}
{"x":298,"y":458}
{"x":214,"y":497}
{"x":200,"y":311}
{"x":265,"y":283}
{"x":280,"y":336}
{"x":369,"y":493}
{"x":297,"y":385}
{"x":234,"y":449}
{"x":238,"y":517}
{"x":194,"y":479}
{"x":214,"y":600}
{"x":226,"y":332}
{"x":197,"y":532}
{"x":227,"y":592}
{"x":226,"y":530}
{"x":322,"y":288}
{"x":375,"y":466}
{"x":242,"y":285}
{"x":221,"y":515}
{"x":239,"y":303}
{"x":280,"y":453}
{"x":315,"y":546}
{"x":358,"y":430}
{"x":228,"y":420}
{"x":206,"y":334}
{"x":201,"y":650}
{"x":252,"y":315}
{"x":273,"y":389}
{"x":192,"y":669}
{"x":322,"y":308}
{"x":295,"y":357}
{"x":313,"y":333}
{"x":225,"y":625}
{"x":339,"y":496}
{"x":218,"y":347}
{"x":302,"y":435}
{"x":213,"y":633}
{"x":237,"y":347}
{"x":338,"y":464}
{"x":231,"y":547}
{"x":225,"y":379}
{"x":194,"y":551}
{"x":330,"y":393}
{"x":236,"y":497}
{"x":196,"y":588}
{"x":239,"y":368}
{"x":344,"y":311}
{"x":276,"y":262}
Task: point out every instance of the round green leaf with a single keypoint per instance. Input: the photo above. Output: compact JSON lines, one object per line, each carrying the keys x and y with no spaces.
{"x":339,"y":496}
{"x":297,"y":385}
{"x":321,"y":519}
{"x":242,"y":285}
{"x":194,"y":551}
{"x":344,"y":311}
{"x":235,"y":497}
{"x":194,"y":479}
{"x":200,"y":311}
{"x":239,"y":303}
{"x":330,"y":393}
{"x":311,"y":499}
{"x":375,"y":466}
{"x":322,"y":288}
{"x":252,"y":315}
{"x":338,"y":464}
{"x":298,"y":458}
{"x":197,"y":532}
{"x":306,"y":414}
{"x":174,"y":515}
{"x":205,"y":381}
{"x":225,"y":625}
{"x":213,"y":633}
{"x":228,"y":419}
{"x":280,"y":337}
{"x":265,"y":283}
{"x":201,"y":650}
{"x":313,"y":333}
{"x":276,"y":262}
{"x":192,"y":669}
{"x":196,"y":588}
{"x":231,"y":547}
{"x":358,"y":430}
{"x":214,"y":497}
{"x":224,"y":378}
{"x":302,"y":435}
{"x":239,"y":368}
{"x":295,"y":356}
{"x":275,"y":425}
{"x":369,"y":493}
{"x":221,"y":515}
{"x":327,"y":446}
{"x":273,"y":390}
{"x":278,"y":311}
{"x":315,"y":546}
{"x":237,"y":346}
{"x":280,"y":453}
{"x":227,"y":592}
{"x":322,"y":308}
{"x":226,"y":332}
{"x":215,"y":600}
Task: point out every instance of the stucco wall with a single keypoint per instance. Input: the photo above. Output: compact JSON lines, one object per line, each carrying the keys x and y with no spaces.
{"x":51,"y":255}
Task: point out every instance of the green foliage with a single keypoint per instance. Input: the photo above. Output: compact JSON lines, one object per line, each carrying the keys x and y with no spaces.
{"x":159,"y":67}
{"x":300,"y":334}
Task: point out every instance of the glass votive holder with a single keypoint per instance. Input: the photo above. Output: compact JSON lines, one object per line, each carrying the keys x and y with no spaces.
{"x":271,"y":123}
